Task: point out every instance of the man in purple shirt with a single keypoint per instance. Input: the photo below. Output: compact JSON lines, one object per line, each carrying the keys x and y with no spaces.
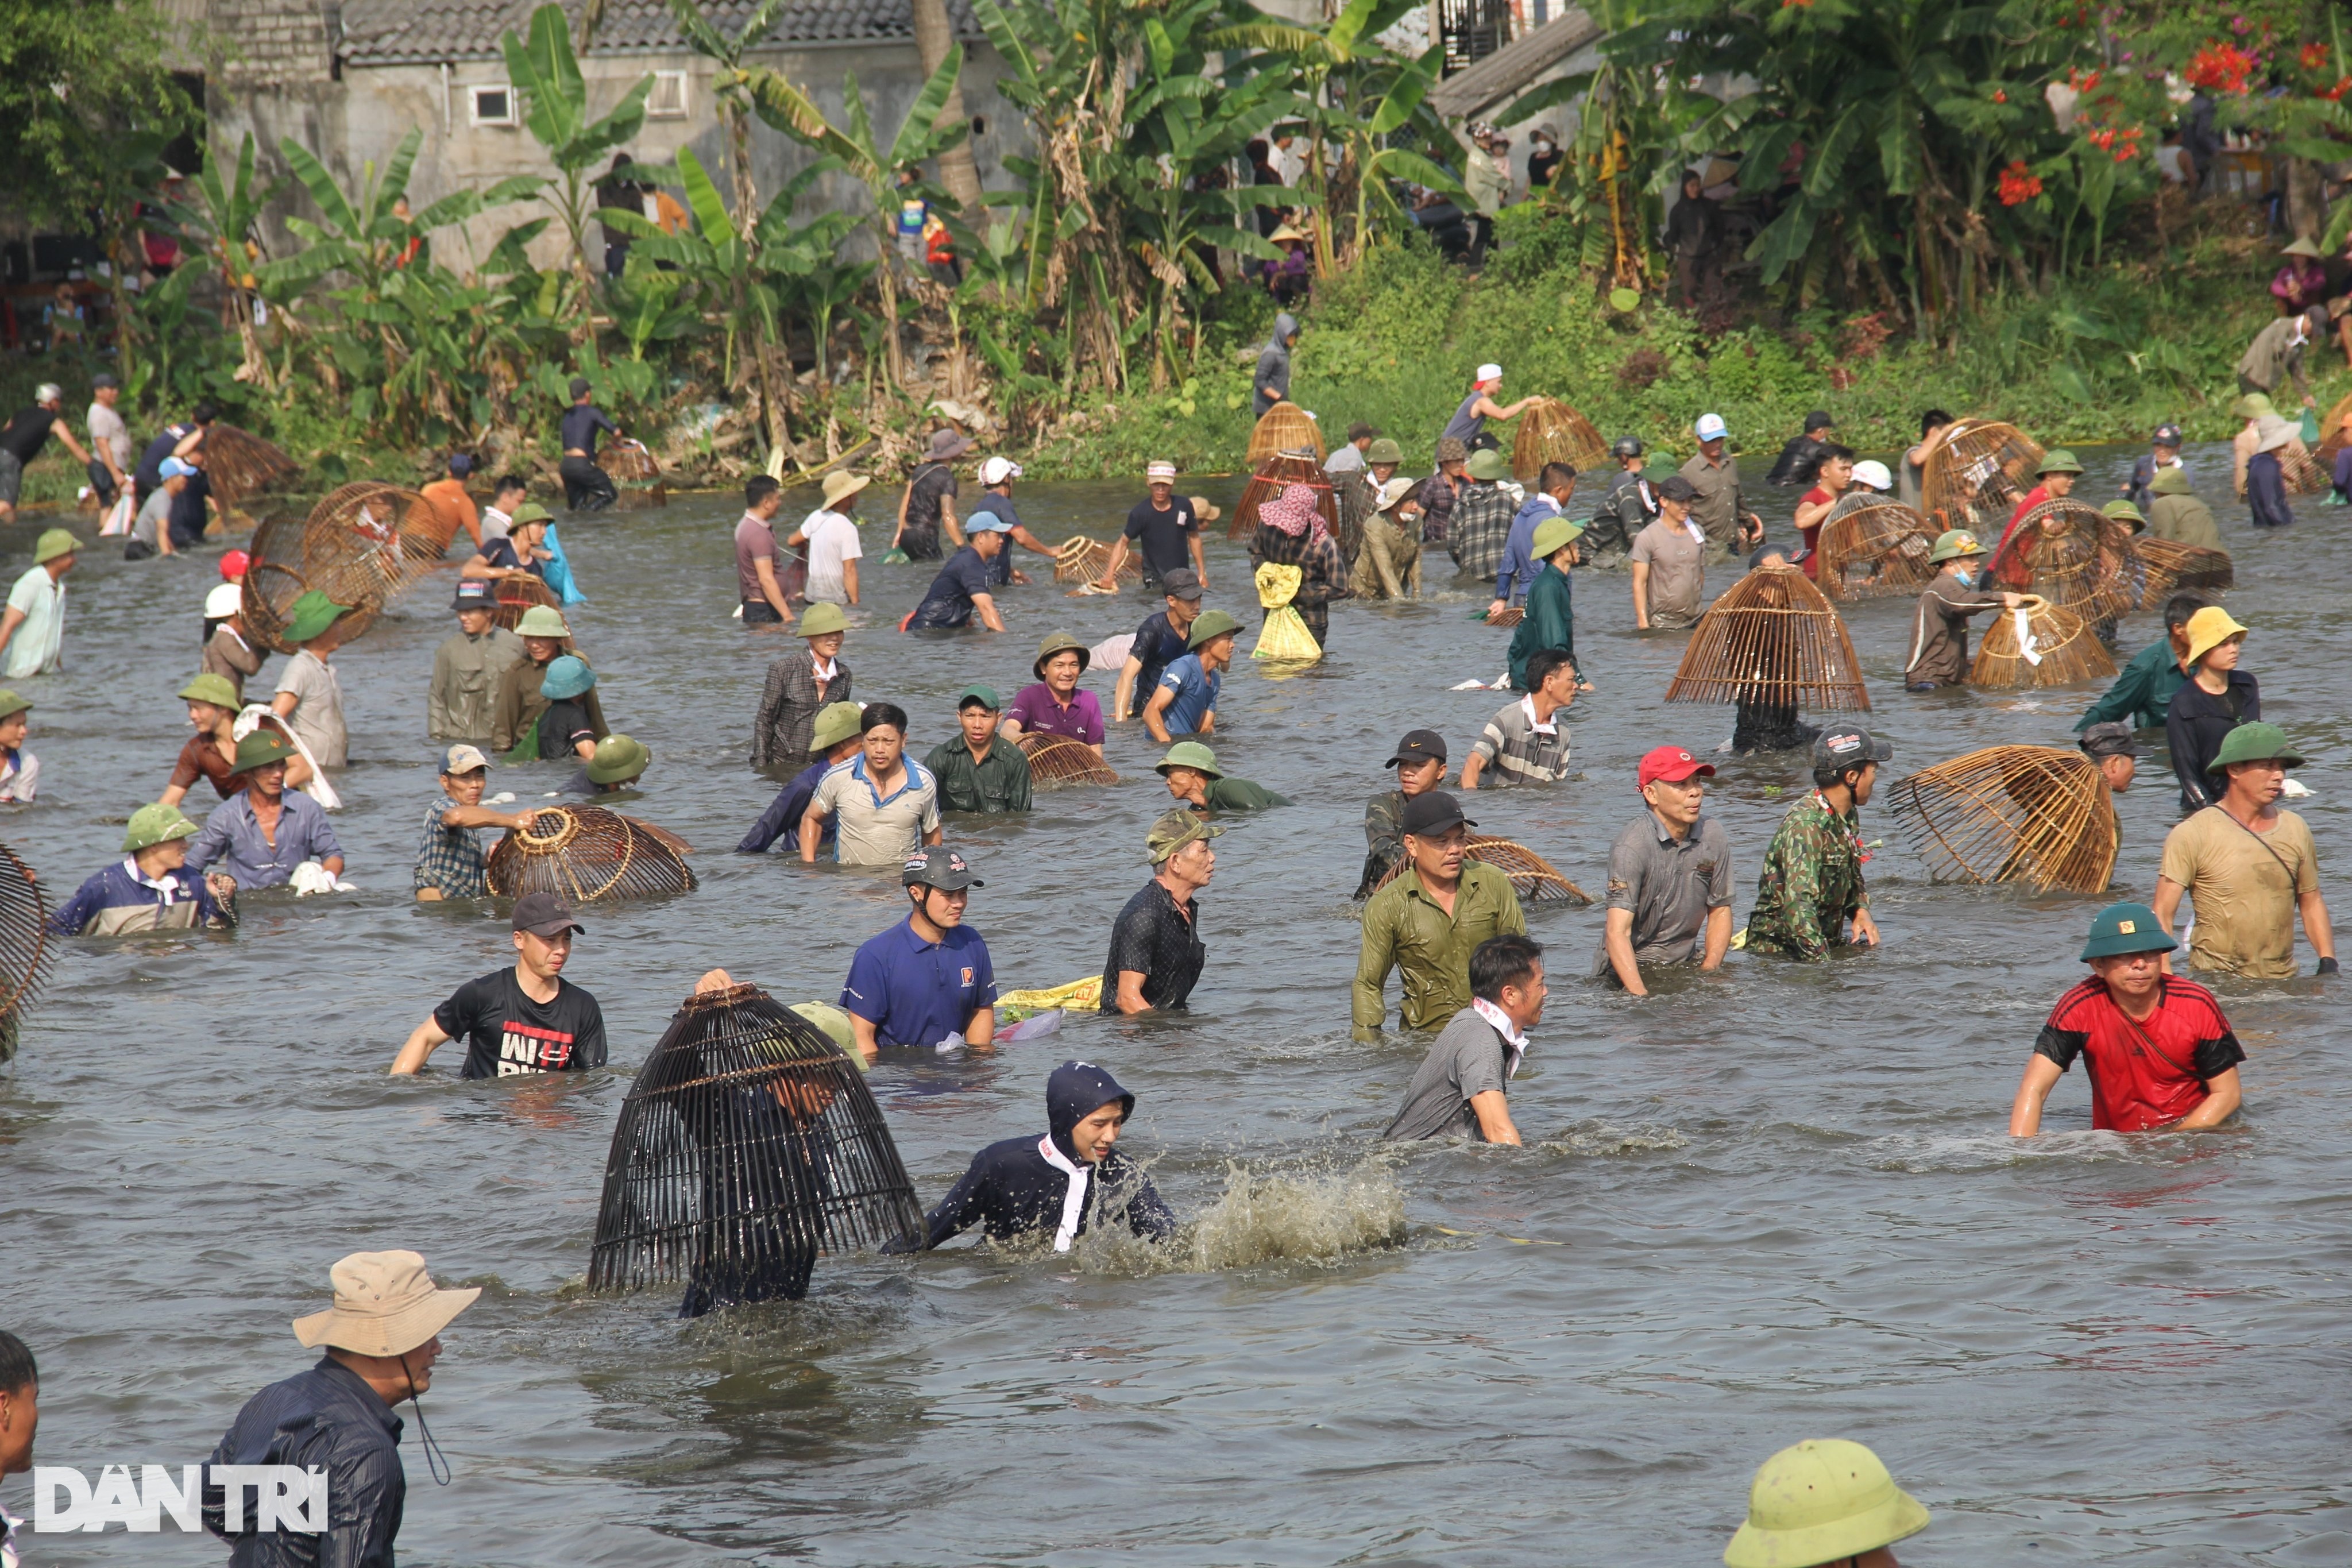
{"x":1054,"y":705}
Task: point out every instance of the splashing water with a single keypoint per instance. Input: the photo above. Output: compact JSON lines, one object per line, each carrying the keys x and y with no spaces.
{"x":1313,"y":1216}
{"x":1599,"y":1137}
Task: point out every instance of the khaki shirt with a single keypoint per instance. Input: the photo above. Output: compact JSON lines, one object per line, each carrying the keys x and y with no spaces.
{"x":1406,"y":931}
{"x":1719,"y":505}
{"x":2276,"y":355}
{"x":1677,"y":564}
{"x":2184,"y":520}
{"x":466,"y":671}
{"x":2245,"y":885}
{"x":1670,"y":886}
{"x":1939,"y":631}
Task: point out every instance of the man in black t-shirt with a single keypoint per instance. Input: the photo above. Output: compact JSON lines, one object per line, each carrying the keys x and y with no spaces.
{"x":526,"y":1019}
{"x":1159,"y":642}
{"x":586,"y":486}
{"x":927,"y":509}
{"x":961,"y":591}
{"x":25,"y":437}
{"x":1166,"y":530}
{"x":176,"y":441}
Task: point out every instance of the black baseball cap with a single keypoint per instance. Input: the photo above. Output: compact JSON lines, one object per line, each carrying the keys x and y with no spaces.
{"x":1419,"y":746}
{"x":1675,"y":487}
{"x":1837,"y":750}
{"x":940,"y":868}
{"x":545,"y":916}
{"x":474,"y":594}
{"x":2109,"y":739}
{"x":103,"y":379}
{"x":1434,"y":812}
{"x":1180,"y":583}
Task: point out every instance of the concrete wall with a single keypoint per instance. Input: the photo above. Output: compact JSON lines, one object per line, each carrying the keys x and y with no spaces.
{"x":363,"y":116}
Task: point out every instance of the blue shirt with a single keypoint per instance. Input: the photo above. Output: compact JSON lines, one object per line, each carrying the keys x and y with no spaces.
{"x":949,"y":604}
{"x":1196,"y":694}
{"x":1157,"y":645}
{"x":118,"y":899}
{"x":1519,"y":564}
{"x":783,"y":817}
{"x":999,"y":571}
{"x":232,"y":841}
{"x":917,"y":992}
{"x":325,"y":1416}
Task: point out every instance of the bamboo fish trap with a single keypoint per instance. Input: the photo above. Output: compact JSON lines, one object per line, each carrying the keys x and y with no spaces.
{"x":26,"y":948}
{"x":2063,"y":648}
{"x":1774,"y":639}
{"x":1533,"y":877}
{"x":2331,"y":434}
{"x":516,"y":594}
{"x":583,"y":853}
{"x":240,"y":464}
{"x":638,"y":472}
{"x":2037,"y":814}
{"x":1552,"y":432}
{"x":1872,"y":546}
{"x":1274,"y":476}
{"x":1285,"y":427}
{"x":748,"y":1147}
{"x":2075,"y":556}
{"x":2172,"y":566}
{"x":2302,"y":473}
{"x":1063,"y":760}
{"x":1082,"y":560}
{"x":1976,"y":475}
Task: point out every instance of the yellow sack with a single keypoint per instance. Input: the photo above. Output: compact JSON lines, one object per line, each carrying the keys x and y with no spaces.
{"x":1083,"y":993}
{"x":1284,"y":635}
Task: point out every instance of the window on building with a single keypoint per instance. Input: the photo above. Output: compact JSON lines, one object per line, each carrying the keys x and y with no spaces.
{"x":492,"y":105}
{"x":668,"y":99}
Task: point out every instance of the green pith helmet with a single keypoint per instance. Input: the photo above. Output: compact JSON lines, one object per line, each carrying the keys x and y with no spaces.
{"x":2254,"y":405}
{"x":835,"y":722}
{"x":2170,"y":481}
{"x":1384,"y":451}
{"x":1487,"y":464}
{"x":2058,"y":460}
{"x":12,"y":703}
{"x":2124,"y":511}
{"x":542,"y":621}
{"x":1172,"y":830}
{"x":1954,"y":543}
{"x":2255,"y":742}
{"x":312,"y":615}
{"x":1189,"y":754}
{"x":53,"y":543}
{"x":1059,"y":642}
{"x":1212,"y":625}
{"x":617,"y":760}
{"x":1553,"y":534}
{"x":2127,"y":928}
{"x":822,"y":618}
{"x":263,"y":747}
{"x":212,"y":688}
{"x":837,"y":1027}
{"x":154,"y":825}
{"x":1819,"y":1502}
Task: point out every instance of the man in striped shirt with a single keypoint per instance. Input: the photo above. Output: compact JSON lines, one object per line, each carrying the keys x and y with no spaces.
{"x":1527,"y":743}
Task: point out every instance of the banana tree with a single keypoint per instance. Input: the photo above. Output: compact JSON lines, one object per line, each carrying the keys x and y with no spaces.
{"x":923,"y":135}
{"x":546,"y":71}
{"x":359,"y":233}
{"x":223,"y":223}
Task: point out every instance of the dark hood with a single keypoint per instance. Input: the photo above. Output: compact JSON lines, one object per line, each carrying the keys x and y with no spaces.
{"x":1286,"y":327}
{"x":1076,"y":1092}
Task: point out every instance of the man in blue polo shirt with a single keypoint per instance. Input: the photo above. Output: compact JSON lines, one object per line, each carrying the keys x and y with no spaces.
{"x":961,"y":591}
{"x":926,"y":981}
{"x":1186,"y":700}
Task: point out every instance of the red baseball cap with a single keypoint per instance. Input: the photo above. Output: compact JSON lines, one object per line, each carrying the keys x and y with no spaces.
{"x":234,"y":565}
{"x":1673,"y":764}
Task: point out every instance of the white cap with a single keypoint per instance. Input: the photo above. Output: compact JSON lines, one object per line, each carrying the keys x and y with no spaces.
{"x":1160,"y":473}
{"x":1711,"y":427}
{"x":996,"y":470}
{"x":223,"y":602}
{"x":1489,"y":372}
{"x":47,"y":392}
{"x":1873,"y":472}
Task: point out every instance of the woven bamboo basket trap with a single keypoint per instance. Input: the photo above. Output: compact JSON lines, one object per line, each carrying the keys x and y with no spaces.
{"x":2172,"y":566}
{"x":361,"y":545}
{"x":240,"y":464}
{"x":1552,"y":432}
{"x":2036,"y":815}
{"x":1285,"y":427}
{"x":1082,"y":560}
{"x":636,"y":473}
{"x":584,"y":853}
{"x":2304,"y":474}
{"x":1533,"y":877}
{"x":2331,"y":434}
{"x":2059,"y":648}
{"x":26,"y":946}
{"x":1274,"y":476}
{"x":2075,"y":556}
{"x":1976,"y":475}
{"x":749,"y":1146}
{"x":516,"y":594}
{"x":1773,"y":639}
{"x":1872,"y":545}
{"x":1063,"y":760}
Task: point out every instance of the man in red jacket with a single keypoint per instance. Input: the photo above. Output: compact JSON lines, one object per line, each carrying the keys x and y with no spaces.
{"x":2161,"y":1053}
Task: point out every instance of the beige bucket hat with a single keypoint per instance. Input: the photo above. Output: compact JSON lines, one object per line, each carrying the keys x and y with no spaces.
{"x":385,"y":1304}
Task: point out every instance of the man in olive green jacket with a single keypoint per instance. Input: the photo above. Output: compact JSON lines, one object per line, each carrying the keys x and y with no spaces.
{"x":1425,"y":924}
{"x":466,"y":668}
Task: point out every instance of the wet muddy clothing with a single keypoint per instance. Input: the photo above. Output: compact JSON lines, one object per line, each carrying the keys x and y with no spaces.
{"x":2145,"y":1073}
{"x":1629,"y":506}
{"x":1438,"y":495}
{"x":875,"y":829}
{"x":1153,"y":937}
{"x":1549,"y":622}
{"x":1799,"y":462}
{"x":917,"y":993}
{"x":931,"y":487}
{"x":1195,"y":687}
{"x":1163,"y":538}
{"x":1388,"y":561}
{"x":783,"y":817}
{"x":997,"y":784}
{"x":1811,"y":883}
{"x":1238,"y":794}
{"x":317,"y":716}
{"x":515,"y":718}
{"x":1768,"y":727}
{"x":1670,"y":886}
{"x":2142,"y":695}
{"x":1469,"y":1057}
{"x":1157,"y":645}
{"x":1939,"y":630}
{"x":1041,"y":713}
{"x":1407,"y":931}
{"x":1480,"y":526}
{"x":450,"y":859}
{"x":581,"y":423}
{"x":1720,"y":503}
{"x":954,"y":594}
{"x":1676,"y":554}
{"x":1025,"y":1184}
{"x":562,"y":727}
{"x":2185,"y":520}
{"x":465,"y":671}
{"x":1323,"y":572}
{"x":2245,"y":887}
{"x":233,"y":844}
{"x":2196,"y":722}
{"x":2267,"y":498}
{"x":201,"y":759}
{"x":1517,"y":748}
{"x":507,"y":1032}
{"x":28,"y":432}
{"x":121,"y":898}
{"x":329,"y":1417}
{"x":794,"y":695}
{"x":1383,"y":839}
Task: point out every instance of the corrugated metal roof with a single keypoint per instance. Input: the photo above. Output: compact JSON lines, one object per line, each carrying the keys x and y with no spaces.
{"x":398,"y":32}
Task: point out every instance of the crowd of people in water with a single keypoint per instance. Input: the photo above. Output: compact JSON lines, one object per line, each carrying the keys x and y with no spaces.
{"x":2159,"y":1050}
